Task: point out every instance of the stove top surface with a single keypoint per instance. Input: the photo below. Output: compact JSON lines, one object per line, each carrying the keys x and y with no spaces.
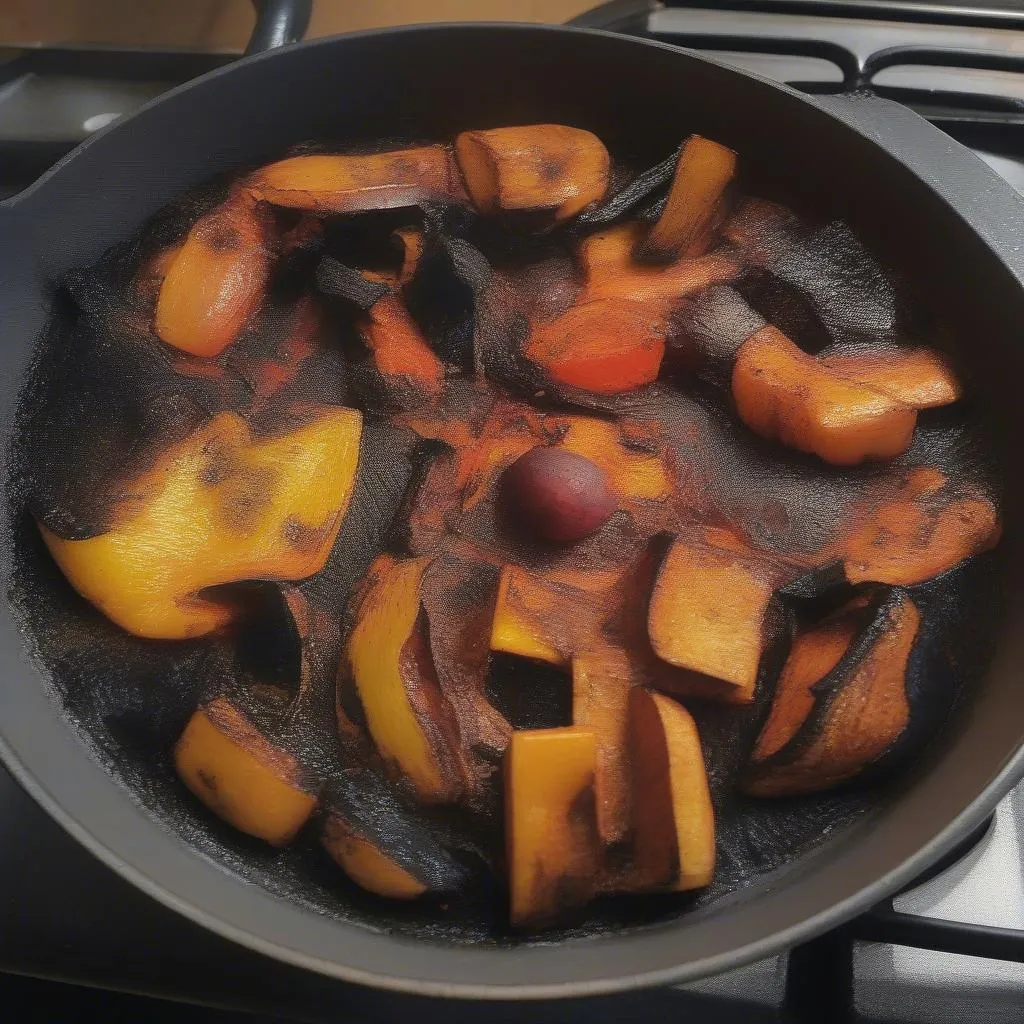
{"x":65,"y":916}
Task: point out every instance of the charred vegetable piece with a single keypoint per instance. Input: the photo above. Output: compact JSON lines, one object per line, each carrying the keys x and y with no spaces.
{"x":786,"y":395}
{"x":714,"y":326}
{"x":367,"y":864}
{"x":401,"y":353}
{"x":519,"y":607}
{"x":601,"y":683}
{"x":216,"y":279}
{"x":557,"y":495}
{"x":390,"y":663}
{"x":857,"y":711}
{"x":217,"y":508}
{"x":814,"y":654}
{"x":637,"y":194}
{"x":411,"y":242}
{"x":611,"y":271}
{"x":820,"y":282}
{"x":607,"y":347}
{"x":915,"y":377}
{"x":673,"y":819}
{"x":241,"y":775}
{"x":351,"y":182}
{"x":928,"y":526}
{"x":703,"y":171}
{"x":411,"y":371}
{"x":533,"y":167}
{"x":709,"y":613}
{"x":551,"y":823}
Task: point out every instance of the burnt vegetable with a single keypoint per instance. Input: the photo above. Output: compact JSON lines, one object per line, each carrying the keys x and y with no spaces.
{"x":641,"y":465}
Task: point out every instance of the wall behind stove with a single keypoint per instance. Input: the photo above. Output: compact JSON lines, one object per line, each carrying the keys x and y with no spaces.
{"x":225,"y":24}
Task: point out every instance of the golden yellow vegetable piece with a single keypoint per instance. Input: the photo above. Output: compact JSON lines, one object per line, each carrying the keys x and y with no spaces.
{"x":533,"y":167}
{"x":914,"y":376}
{"x":926,"y":527}
{"x":391,"y":666}
{"x":216,"y":279}
{"x":673,"y":819}
{"x":217,"y":508}
{"x":703,"y":171}
{"x":348,"y":183}
{"x":551,"y":823}
{"x":708,"y":610}
{"x":861,"y":708}
{"x":611,"y":271}
{"x":517,"y":612}
{"x":784,"y":394}
{"x":601,"y":683}
{"x":241,"y":775}
{"x":366,"y":864}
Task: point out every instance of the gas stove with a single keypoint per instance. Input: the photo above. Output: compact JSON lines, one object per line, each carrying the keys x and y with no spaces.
{"x":948,"y":949}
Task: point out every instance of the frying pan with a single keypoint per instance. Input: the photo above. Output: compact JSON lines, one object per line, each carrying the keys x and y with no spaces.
{"x":912,"y":194}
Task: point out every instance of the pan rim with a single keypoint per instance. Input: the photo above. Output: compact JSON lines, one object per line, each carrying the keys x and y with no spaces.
{"x":835,"y":914}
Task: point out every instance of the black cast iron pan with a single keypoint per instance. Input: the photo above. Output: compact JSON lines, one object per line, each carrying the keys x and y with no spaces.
{"x":913,"y":194}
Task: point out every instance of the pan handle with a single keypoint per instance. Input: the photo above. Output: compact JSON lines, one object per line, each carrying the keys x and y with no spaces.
{"x":278,"y":22}
{"x":980,"y":195}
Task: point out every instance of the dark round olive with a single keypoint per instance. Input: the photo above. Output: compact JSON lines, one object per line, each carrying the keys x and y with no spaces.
{"x":557,"y":495}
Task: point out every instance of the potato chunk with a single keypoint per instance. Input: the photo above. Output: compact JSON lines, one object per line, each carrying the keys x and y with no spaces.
{"x":215,"y":280}
{"x":241,"y":775}
{"x":786,"y":395}
{"x":349,"y":183}
{"x":709,"y":614}
{"x":673,"y":819}
{"x":533,"y":167}
{"x":551,"y":823}
{"x":220,"y":507}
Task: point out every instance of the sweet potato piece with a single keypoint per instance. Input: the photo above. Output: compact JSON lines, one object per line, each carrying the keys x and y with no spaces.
{"x":815,"y":653}
{"x":927,"y":527}
{"x":786,"y":395}
{"x":349,"y":183}
{"x":241,"y":775}
{"x":607,"y":347}
{"x":551,"y":823}
{"x":217,"y":508}
{"x":673,"y":819}
{"x":390,"y":663}
{"x":400,"y":351}
{"x":368,"y":865}
{"x":916,"y":377}
{"x":703,"y":171}
{"x":709,"y":613}
{"x":860,"y":710}
{"x":518,"y":611}
{"x":601,"y":682}
{"x":533,"y":167}
{"x":215,"y":280}
{"x":611,"y":271}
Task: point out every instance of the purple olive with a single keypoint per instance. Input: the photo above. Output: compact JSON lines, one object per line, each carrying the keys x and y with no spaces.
{"x":557,"y":495}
